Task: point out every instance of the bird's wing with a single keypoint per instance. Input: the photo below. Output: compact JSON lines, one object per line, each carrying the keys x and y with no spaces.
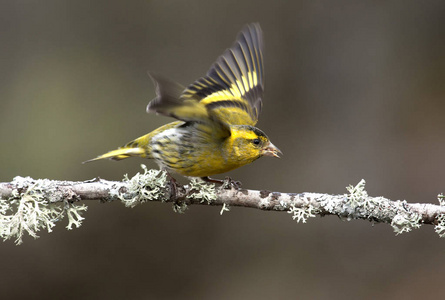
{"x":232,"y":90}
{"x":168,"y":102}
{"x":230,"y":93}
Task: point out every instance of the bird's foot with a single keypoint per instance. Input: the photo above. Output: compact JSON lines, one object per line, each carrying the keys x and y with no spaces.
{"x":227,"y":183}
{"x":179,"y":203}
{"x":173,"y":187}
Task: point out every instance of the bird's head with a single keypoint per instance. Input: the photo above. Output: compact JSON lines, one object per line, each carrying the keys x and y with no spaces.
{"x":249,"y":143}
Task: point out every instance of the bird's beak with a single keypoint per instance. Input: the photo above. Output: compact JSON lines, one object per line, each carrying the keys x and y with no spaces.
{"x":271,"y":150}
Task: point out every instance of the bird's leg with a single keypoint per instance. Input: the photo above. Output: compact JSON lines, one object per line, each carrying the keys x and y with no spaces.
{"x":173,"y":184}
{"x":179,"y":203}
{"x":229,"y":182}
{"x":212,"y":180}
{"x":226,"y":183}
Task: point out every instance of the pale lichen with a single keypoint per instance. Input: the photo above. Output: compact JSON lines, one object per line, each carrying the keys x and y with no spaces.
{"x":405,"y":221}
{"x":224,"y":208}
{"x":143,"y":187}
{"x":283,"y":205}
{"x":31,"y":208}
{"x":326,"y":202}
{"x":180,"y":207}
{"x":73,"y":211}
{"x":197,"y":190}
{"x":359,"y":205}
{"x":357,"y":194}
{"x":302,"y":214}
{"x":440,"y":226}
{"x":202,"y":191}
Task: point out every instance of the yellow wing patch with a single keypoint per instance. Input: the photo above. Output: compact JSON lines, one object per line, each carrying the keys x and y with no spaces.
{"x":233,"y":88}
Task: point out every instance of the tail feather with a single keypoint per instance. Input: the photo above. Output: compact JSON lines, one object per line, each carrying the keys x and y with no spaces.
{"x":139,"y":147}
{"x":121,"y":153}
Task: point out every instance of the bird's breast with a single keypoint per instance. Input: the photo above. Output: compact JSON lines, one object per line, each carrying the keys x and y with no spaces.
{"x":190,"y":153}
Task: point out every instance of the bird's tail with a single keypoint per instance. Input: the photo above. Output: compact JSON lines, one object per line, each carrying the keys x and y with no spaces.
{"x":138,"y":147}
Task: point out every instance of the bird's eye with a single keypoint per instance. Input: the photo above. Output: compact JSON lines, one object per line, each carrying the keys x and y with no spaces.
{"x":256,"y":141}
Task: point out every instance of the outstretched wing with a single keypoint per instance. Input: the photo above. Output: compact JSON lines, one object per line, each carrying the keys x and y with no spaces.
{"x":168,"y":102}
{"x":233,"y":88}
{"x":230,"y":94}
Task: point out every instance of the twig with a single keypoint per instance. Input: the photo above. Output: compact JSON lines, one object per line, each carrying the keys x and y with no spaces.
{"x":28,"y":205}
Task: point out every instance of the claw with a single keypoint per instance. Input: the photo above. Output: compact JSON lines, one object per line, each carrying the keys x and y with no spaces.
{"x":173,"y":184}
{"x":227,"y":183}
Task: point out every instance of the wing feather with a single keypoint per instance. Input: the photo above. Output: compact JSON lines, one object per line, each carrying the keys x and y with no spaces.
{"x":233,"y":87}
{"x":230,"y":93}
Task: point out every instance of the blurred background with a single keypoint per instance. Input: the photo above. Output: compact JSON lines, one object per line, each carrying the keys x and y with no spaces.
{"x":354,"y":89}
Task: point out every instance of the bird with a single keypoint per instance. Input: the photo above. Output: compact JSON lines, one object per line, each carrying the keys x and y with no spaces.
{"x":216,"y":116}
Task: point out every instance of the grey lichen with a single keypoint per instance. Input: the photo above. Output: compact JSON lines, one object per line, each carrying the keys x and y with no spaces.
{"x":402,"y":219}
{"x":405,"y":222}
{"x":224,"y":208}
{"x":180,"y":207}
{"x":361,"y":204}
{"x":197,"y":190}
{"x":305,"y":211}
{"x":440,"y":226}
{"x":202,"y":191}
{"x":143,"y":187}
{"x":28,"y":205}
{"x":302,"y":214}
{"x":357,"y":194}
{"x":30,"y":209}
{"x":74,"y":213}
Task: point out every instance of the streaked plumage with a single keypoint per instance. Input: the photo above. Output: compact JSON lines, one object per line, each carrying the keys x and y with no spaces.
{"x":217,"y":114}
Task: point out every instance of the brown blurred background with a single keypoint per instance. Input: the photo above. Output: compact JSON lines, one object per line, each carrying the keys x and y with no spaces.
{"x":354,"y":89}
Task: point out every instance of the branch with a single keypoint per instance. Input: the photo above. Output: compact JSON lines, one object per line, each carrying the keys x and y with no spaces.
{"x":28,"y":205}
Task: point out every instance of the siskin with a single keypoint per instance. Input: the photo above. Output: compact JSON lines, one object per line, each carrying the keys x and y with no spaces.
{"x":216,"y":116}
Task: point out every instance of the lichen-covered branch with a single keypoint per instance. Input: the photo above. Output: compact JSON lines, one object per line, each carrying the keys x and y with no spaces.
{"x":28,"y":205}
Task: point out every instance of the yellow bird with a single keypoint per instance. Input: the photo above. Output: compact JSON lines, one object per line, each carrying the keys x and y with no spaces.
{"x":216,"y":116}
